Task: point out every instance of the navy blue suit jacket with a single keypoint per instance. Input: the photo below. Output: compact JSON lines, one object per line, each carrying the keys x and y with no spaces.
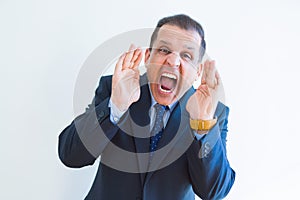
{"x":183,"y":167}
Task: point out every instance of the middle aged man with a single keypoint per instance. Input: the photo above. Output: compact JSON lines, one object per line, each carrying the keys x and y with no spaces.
{"x":173,"y":136}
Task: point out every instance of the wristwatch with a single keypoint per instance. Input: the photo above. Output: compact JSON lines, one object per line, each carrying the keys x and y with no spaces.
{"x":202,"y":125}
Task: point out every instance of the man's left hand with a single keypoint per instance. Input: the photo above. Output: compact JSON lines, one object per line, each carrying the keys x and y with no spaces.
{"x":202,"y":104}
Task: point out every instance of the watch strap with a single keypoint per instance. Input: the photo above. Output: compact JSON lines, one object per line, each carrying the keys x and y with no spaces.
{"x":202,"y":125}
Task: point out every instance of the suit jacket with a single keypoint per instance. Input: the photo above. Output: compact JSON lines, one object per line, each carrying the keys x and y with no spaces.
{"x":181,"y":168}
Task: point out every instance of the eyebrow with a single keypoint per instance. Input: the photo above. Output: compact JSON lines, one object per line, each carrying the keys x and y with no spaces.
{"x":185,"y":46}
{"x":189,"y":47}
{"x":164,"y":42}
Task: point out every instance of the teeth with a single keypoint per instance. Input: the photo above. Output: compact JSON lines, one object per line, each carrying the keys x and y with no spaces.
{"x":168,"y":75}
{"x":166,"y":91}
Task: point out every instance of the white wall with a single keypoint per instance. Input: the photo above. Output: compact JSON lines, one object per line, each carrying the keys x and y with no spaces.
{"x":43,"y":45}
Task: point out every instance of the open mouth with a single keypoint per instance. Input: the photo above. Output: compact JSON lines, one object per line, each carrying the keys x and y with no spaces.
{"x":168,"y":82}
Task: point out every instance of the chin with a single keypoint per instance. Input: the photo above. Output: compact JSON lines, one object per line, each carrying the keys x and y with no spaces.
{"x":165,"y":102}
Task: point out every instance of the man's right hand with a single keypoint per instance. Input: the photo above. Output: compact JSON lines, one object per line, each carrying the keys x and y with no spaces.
{"x":125,"y":81}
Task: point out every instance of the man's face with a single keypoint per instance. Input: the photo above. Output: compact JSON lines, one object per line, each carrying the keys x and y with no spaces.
{"x":173,"y":63}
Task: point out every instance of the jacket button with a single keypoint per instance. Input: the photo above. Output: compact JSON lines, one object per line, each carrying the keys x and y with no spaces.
{"x":101,"y":114}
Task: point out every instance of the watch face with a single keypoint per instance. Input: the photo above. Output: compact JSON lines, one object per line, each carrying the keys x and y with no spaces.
{"x":202,"y":125}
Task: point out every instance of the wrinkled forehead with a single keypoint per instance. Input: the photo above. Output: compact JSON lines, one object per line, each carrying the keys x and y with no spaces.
{"x":177,"y":36}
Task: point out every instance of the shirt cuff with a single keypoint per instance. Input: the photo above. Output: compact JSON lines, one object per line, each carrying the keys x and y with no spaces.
{"x":115,"y":113}
{"x":198,"y":136}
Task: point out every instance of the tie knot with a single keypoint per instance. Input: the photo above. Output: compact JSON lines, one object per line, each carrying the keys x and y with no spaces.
{"x":160,"y":108}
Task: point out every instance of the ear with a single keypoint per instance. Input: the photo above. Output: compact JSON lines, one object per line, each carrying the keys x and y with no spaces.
{"x":147,"y":55}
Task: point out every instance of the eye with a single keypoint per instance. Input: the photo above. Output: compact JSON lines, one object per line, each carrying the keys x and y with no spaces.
{"x":187,"y":56}
{"x":164,"y":51}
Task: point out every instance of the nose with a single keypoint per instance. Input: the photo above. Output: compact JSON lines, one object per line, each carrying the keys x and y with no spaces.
{"x":173,"y":60}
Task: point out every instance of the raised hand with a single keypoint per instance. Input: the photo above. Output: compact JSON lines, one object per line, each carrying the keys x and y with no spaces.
{"x":125,"y":81}
{"x":203,"y":102}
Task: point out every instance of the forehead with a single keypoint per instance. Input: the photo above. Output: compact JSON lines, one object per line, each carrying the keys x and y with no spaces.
{"x":174,"y":35}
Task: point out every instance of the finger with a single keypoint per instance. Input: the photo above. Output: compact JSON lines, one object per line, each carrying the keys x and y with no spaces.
{"x":118,"y":67}
{"x":202,"y":93}
{"x":204,"y":87}
{"x":138,"y":60}
{"x":218,"y":78}
{"x":210,"y":76}
{"x":204,"y":72}
{"x":204,"y":90}
{"x":128,"y":57}
{"x":207,"y":90}
{"x":135,"y":54}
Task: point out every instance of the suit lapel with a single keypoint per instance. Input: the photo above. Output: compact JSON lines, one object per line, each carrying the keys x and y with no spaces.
{"x":175,"y":131}
{"x":140,"y":126}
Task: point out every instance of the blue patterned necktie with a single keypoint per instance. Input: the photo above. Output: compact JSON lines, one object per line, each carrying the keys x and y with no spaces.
{"x":157,"y":129}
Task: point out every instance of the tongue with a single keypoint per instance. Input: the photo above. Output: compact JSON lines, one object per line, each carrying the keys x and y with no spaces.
{"x":167,"y":83}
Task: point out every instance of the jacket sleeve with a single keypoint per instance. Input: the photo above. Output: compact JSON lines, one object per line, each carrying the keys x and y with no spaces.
{"x":210,"y":172}
{"x":82,"y":142}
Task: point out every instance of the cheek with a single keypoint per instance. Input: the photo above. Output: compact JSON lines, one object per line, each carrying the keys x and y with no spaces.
{"x":188,"y":76}
{"x":152,"y":72}
{"x":158,"y":59}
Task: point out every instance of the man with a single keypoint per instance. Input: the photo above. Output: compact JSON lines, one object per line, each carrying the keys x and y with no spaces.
{"x":157,"y":136}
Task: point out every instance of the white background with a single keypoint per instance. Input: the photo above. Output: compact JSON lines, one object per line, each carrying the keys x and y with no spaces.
{"x":43,"y":45}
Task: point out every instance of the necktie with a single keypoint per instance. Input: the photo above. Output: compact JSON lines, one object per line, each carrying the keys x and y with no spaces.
{"x":157,"y":129}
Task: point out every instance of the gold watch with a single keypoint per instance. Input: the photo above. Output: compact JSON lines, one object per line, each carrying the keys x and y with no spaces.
{"x":202,"y":125}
